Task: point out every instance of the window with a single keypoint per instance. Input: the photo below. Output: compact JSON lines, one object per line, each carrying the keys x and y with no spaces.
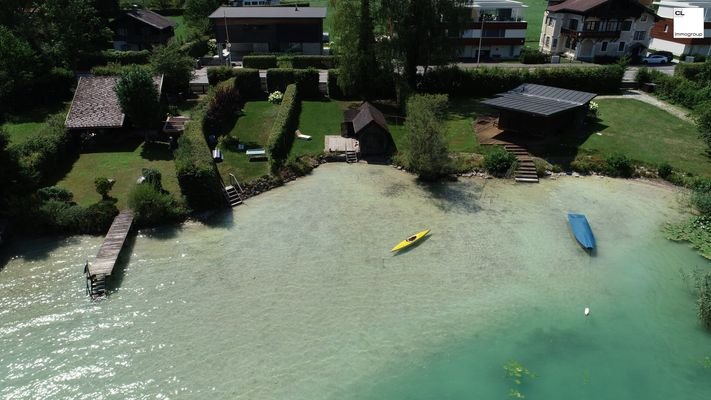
{"x":494,"y":32}
{"x":555,"y":43}
{"x":549,"y":21}
{"x":567,"y":42}
{"x":666,"y":28}
{"x":592,"y":26}
{"x":574,"y":24}
{"x":626,"y":25}
{"x":604,"y":46}
{"x":548,"y":41}
{"x":640,"y":35}
{"x":644,"y":18}
{"x":621,"y":47}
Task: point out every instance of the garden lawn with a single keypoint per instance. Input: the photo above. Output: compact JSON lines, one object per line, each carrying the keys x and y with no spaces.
{"x":252,"y":129}
{"x":181,"y":30}
{"x":123,"y":166}
{"x":459,"y":130}
{"x":645,"y":133}
{"x":534,"y":16}
{"x":22,"y":126}
{"x":318,"y":119}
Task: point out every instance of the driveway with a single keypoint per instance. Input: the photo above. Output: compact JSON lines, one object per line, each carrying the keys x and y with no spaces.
{"x":631,"y":72}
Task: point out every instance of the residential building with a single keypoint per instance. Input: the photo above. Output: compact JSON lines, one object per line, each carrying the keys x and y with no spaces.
{"x":139,"y":29}
{"x":252,"y":3}
{"x":247,"y":30}
{"x":663,"y":30}
{"x":369,"y":127}
{"x":495,"y":29}
{"x":586,"y":29}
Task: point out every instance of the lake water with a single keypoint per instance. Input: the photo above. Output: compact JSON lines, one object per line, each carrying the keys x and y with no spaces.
{"x":295,"y":295}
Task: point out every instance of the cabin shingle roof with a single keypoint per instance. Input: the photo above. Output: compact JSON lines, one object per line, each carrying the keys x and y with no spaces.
{"x":366,"y":114}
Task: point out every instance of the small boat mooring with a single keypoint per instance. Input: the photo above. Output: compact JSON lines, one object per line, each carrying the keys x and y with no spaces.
{"x":101,"y":268}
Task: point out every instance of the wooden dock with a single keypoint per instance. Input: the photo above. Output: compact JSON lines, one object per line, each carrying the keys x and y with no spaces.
{"x":103,"y":265}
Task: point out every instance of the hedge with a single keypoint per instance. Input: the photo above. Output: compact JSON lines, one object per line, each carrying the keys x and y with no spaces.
{"x":486,"y":82}
{"x":318,"y":62}
{"x":534,"y":56}
{"x":88,"y":60}
{"x":259,"y":62}
{"x":223,"y":105}
{"x":385,"y":87}
{"x":114,"y":69}
{"x":305,"y":79}
{"x":282,"y":135}
{"x":248,"y":82}
{"x":198,"y":178}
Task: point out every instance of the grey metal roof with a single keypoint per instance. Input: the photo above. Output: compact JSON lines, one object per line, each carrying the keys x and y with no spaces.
{"x":151,"y":18}
{"x":269,"y":12}
{"x":539,"y":99}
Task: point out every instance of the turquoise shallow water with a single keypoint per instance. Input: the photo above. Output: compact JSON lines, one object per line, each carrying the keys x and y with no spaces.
{"x":296,"y":296}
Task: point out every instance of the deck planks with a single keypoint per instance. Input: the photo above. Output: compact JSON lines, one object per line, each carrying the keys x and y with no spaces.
{"x":110,"y":249}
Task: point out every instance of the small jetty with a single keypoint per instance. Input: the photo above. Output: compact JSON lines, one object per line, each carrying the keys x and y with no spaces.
{"x":101,"y":268}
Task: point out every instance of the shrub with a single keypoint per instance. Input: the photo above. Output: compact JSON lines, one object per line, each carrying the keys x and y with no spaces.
{"x":114,"y":69}
{"x":57,"y":84}
{"x":318,"y":62}
{"x":276,"y":97}
{"x":138,"y":97}
{"x":153,"y":177}
{"x":153,"y":207}
{"x":223,"y":105}
{"x":197,"y":47}
{"x":175,"y":66}
{"x":281,"y":137}
{"x":197,"y":176}
{"x":39,"y":156}
{"x":499,"y":161}
{"x":248,"y":82}
{"x":103,"y":186}
{"x":593,"y":110}
{"x":704,"y":300}
{"x":643,"y":75}
{"x":664,"y":170}
{"x":259,"y":62}
{"x":55,"y":193}
{"x":306,"y":80}
{"x":216,"y":75}
{"x":89,"y":60}
{"x":541,"y":167}
{"x":65,"y":217}
{"x":334,"y":90}
{"x":533,"y":56}
{"x":619,"y":165}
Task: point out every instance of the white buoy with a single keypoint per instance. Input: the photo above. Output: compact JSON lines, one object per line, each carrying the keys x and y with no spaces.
{"x":587,"y":311}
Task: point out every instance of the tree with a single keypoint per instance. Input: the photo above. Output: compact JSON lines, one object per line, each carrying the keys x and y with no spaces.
{"x":8,"y":168}
{"x":138,"y":97}
{"x":17,"y":64}
{"x":103,"y":186}
{"x":419,"y":32}
{"x":175,"y":66}
{"x":196,"y":13}
{"x":426,"y":151}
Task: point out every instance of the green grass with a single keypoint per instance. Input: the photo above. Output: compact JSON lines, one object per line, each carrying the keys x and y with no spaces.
{"x":252,"y":129}
{"x":318,"y":119}
{"x":181,"y":30}
{"x":645,"y":133}
{"x":459,"y":131}
{"x":22,"y":126}
{"x":123,"y":166}
{"x":534,"y":15}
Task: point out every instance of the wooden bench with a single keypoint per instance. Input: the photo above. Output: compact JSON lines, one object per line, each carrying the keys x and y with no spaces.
{"x":256,"y":154}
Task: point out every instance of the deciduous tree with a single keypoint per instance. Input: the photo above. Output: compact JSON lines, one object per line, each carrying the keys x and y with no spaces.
{"x":176,"y":67}
{"x":138,"y":97}
{"x":426,"y":150}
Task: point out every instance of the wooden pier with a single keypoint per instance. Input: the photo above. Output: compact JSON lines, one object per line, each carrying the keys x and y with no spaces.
{"x":102,"y":267}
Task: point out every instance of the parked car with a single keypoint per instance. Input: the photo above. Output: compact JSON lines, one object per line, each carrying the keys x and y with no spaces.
{"x":668,"y":54}
{"x":655,"y":59}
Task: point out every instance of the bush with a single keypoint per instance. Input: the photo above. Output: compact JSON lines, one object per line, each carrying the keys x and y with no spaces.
{"x":619,"y":165}
{"x":89,"y":60}
{"x":114,"y":69}
{"x":259,"y":62}
{"x":153,"y":177}
{"x":55,"y":193}
{"x":103,"y":186}
{"x":305,"y":79}
{"x":154,"y":207}
{"x":643,"y":75}
{"x":318,"y":62}
{"x":541,"y":166}
{"x":664,"y":170}
{"x":248,"y":82}
{"x":334,"y":89}
{"x":281,"y":137}
{"x":704,"y":300}
{"x":533,"y":56}
{"x":65,"y":217}
{"x":223,"y":104}
{"x":57,"y":84}
{"x":499,"y":161}
{"x":276,"y":97}
{"x":197,"y":47}
{"x":40,"y":155}
{"x":197,"y":175}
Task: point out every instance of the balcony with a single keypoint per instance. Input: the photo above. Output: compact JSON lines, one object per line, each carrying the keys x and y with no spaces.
{"x":591,"y":33}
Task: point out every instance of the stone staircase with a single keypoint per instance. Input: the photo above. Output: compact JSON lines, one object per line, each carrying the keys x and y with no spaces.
{"x":526,"y":170}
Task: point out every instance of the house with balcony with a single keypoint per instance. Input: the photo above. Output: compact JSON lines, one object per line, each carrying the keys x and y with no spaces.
{"x":245,"y":30}
{"x":495,"y":29}
{"x":588,"y":29}
{"x":663,"y":31}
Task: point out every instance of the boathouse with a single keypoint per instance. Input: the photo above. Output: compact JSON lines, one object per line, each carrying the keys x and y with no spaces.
{"x":368,"y":125}
{"x":540,"y":110}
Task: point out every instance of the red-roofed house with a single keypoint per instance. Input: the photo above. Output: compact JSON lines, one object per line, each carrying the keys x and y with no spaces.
{"x":585,"y":29}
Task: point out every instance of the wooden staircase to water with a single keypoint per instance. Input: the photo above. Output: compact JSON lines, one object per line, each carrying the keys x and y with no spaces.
{"x":526,"y":170}
{"x":232,"y":196}
{"x":351,"y":156}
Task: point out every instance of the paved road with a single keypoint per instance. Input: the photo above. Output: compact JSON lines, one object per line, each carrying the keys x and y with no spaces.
{"x":631,"y":72}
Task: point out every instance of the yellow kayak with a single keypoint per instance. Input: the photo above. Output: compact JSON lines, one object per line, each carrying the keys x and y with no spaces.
{"x":411,"y":240}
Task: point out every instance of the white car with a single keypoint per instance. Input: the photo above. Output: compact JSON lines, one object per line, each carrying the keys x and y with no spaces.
{"x":655,"y":59}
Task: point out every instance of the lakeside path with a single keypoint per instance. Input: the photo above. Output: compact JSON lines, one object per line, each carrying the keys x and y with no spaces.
{"x":649,"y":99}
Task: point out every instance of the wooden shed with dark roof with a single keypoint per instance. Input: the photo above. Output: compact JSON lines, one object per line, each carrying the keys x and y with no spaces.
{"x":368,"y":125}
{"x":541,"y":110}
{"x":140,"y":29}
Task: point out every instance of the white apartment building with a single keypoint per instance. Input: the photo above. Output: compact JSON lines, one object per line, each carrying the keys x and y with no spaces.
{"x":496,"y":29}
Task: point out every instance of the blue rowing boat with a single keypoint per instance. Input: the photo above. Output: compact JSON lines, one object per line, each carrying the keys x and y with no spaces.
{"x":581,"y":229}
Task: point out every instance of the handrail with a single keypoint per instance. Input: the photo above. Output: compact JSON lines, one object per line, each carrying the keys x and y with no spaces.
{"x":234,"y":181}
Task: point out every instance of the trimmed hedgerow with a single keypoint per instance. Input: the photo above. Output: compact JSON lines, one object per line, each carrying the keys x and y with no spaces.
{"x":223,"y":104}
{"x":318,"y":62}
{"x":114,"y":69}
{"x":198,"y":178}
{"x":104,"y":57}
{"x":282,"y":135}
{"x":484,"y":82}
{"x":305,"y":79}
{"x":259,"y":62}
{"x":533,"y":56}
{"x":247,"y":80}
